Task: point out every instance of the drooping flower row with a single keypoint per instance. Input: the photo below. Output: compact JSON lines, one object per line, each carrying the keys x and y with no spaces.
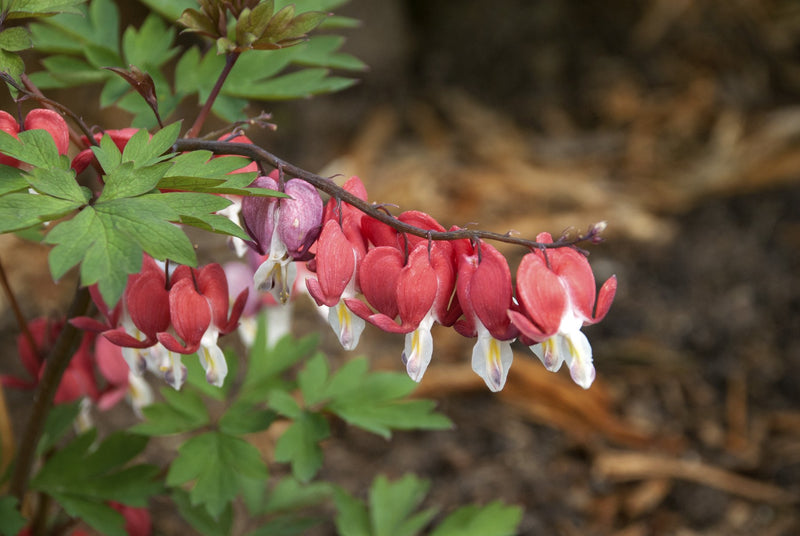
{"x":364,"y":271}
{"x":367,"y":272}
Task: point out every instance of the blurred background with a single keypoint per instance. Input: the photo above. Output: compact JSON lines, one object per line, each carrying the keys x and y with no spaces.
{"x":678,"y":122}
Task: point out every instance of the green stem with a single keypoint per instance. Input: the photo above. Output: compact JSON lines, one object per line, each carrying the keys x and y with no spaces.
{"x":57,"y":361}
{"x":230,"y":61}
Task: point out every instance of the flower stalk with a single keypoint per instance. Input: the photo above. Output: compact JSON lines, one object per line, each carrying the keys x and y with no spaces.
{"x":57,"y":361}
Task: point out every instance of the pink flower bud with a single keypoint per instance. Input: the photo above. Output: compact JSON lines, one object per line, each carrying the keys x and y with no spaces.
{"x":300,"y":218}
{"x":52,"y":122}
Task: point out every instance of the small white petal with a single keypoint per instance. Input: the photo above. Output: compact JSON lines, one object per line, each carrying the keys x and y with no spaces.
{"x":279,"y":323}
{"x":491,"y":359}
{"x":347,"y":326}
{"x":418,"y":349}
{"x":248,"y":325}
{"x":212,"y":358}
{"x":549,"y":354}
{"x":172,"y":369}
{"x":139,"y":393}
{"x":579,"y":359}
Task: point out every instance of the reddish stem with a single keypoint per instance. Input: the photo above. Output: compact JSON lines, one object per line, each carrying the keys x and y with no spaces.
{"x":230,"y":61}
{"x":378,"y":212}
{"x":12,"y":299}
{"x":57,"y":361}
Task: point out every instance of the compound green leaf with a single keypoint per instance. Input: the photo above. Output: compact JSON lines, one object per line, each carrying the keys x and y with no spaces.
{"x":494,"y":519}
{"x":95,"y":239}
{"x":375,"y":402}
{"x":199,"y":518}
{"x":289,"y":494}
{"x":215,"y":462}
{"x":312,"y":379}
{"x":352,"y":518}
{"x":299,"y":445}
{"x":149,"y":46}
{"x":392,"y":503}
{"x":59,"y":183}
{"x":22,"y":210}
{"x":146,"y":222}
{"x":127,"y":180}
{"x":101,"y":473}
{"x":244,"y":418}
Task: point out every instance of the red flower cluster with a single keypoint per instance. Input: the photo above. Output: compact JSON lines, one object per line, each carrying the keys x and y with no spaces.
{"x":39,"y":118}
{"x":164,"y":316}
{"x":80,"y":381}
{"x":408,"y":284}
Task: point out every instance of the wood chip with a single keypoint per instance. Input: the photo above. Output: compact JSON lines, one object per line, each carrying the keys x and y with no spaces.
{"x":622,"y":466}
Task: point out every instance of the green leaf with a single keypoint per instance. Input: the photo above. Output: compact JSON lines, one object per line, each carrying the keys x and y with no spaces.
{"x":321,"y":51}
{"x":300,"y":84}
{"x":494,"y":519}
{"x":11,"y":520}
{"x":15,"y":39}
{"x":59,"y":183}
{"x":181,"y":411}
{"x":146,"y":221}
{"x":99,"y":516}
{"x":11,"y":180}
{"x":282,"y":402}
{"x":289,"y":495}
{"x":21,"y":210}
{"x":196,"y":209}
{"x":299,"y":445}
{"x":59,"y":422}
{"x":352,"y":518}
{"x":128,"y":180}
{"x":289,"y":525}
{"x":169,"y":9}
{"x":244,"y":418}
{"x":375,"y":401}
{"x":33,"y":8}
{"x":391,"y":504}
{"x":216,"y":462}
{"x":99,"y":474}
{"x":265,"y":364}
{"x":107,"y":154}
{"x":37,"y":148}
{"x":312,"y":379}
{"x":106,"y":255}
{"x":199,"y":518}
{"x":149,"y":46}
{"x":97,"y":25}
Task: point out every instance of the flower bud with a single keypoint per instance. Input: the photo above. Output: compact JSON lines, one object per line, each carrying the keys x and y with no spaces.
{"x":300,"y":218}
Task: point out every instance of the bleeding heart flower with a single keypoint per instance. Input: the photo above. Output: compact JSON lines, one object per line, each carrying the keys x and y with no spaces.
{"x":418,"y":290}
{"x":336,"y":266}
{"x":485,"y":294}
{"x":199,"y":313}
{"x":557,"y":295}
{"x":283,"y":229}
{"x":39,"y":118}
